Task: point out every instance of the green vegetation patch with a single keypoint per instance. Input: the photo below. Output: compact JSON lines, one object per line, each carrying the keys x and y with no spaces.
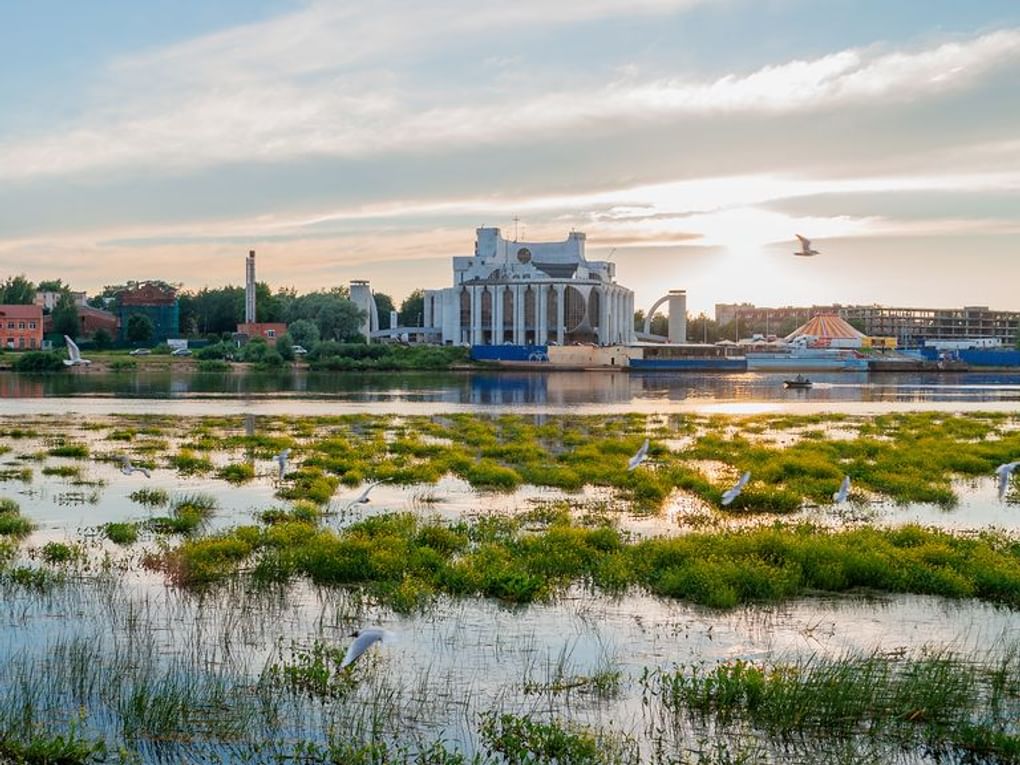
{"x":237,"y":472}
{"x":942,"y":701}
{"x":150,"y":497}
{"x":405,"y":560}
{"x":75,"y":451}
{"x":188,"y":463}
{"x":12,"y":524}
{"x":121,"y":533}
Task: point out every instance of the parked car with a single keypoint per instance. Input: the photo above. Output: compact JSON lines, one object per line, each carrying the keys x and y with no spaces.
{"x":181,"y":352}
{"x":299,"y":350}
{"x":140,"y":352}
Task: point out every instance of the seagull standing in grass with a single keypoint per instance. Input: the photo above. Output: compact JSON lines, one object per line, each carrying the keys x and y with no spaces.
{"x":1005,"y":472}
{"x":127,"y":468}
{"x":732,"y":494}
{"x":74,"y":358}
{"x":363,"y":640}
{"x":839,"y":497}
{"x":281,"y":458}
{"x":640,"y":457}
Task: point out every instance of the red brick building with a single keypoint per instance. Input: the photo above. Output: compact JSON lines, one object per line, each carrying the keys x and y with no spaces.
{"x":89,"y":320}
{"x":269,"y":331}
{"x":21,"y":327}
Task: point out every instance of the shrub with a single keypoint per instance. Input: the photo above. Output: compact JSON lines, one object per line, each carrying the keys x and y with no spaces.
{"x":39,"y":361}
{"x":238,"y":472}
{"x":121,"y":533}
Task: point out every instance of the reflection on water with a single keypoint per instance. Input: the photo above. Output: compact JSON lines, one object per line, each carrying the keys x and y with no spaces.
{"x":300,"y":391}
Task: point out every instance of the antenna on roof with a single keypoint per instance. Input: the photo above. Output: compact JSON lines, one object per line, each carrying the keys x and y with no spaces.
{"x":516,"y":222}
{"x":610,"y":255}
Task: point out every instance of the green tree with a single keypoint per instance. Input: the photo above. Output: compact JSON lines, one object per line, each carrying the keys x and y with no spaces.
{"x":305,"y":333}
{"x":216,"y":311}
{"x":268,"y":307}
{"x":285,"y":346}
{"x":18,"y":290}
{"x":51,"y":285}
{"x":102,"y":339}
{"x":65,"y":316}
{"x":659,"y":325}
{"x":412,"y":310}
{"x":702,"y":329}
{"x":383,"y":304}
{"x":139,"y":328}
{"x":339,"y":319}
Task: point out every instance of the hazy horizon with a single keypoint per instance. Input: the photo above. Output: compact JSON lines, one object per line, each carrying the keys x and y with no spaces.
{"x":689,"y":138}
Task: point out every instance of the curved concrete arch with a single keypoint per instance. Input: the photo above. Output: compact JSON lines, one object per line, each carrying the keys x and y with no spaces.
{"x":651,"y":313}
{"x":677,"y":315}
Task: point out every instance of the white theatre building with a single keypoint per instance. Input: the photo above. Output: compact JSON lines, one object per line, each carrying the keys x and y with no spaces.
{"x":530,"y":293}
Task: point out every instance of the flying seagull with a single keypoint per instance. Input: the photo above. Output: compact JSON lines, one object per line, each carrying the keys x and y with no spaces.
{"x":74,"y":358}
{"x":281,"y":458}
{"x":805,"y":248}
{"x":732,"y":494}
{"x":127,"y":468}
{"x":640,"y":457}
{"x":362,"y":499}
{"x":1005,"y":472}
{"x":839,"y":497}
{"x":363,"y":640}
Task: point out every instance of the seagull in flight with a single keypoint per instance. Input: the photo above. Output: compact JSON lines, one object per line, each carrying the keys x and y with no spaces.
{"x":127,"y":468}
{"x":805,"y":248}
{"x":74,"y":358}
{"x":282,"y":458}
{"x":731,"y":494}
{"x":1005,"y":472}
{"x":362,"y":499}
{"x":839,"y":497}
{"x":363,"y":640}
{"x":640,"y":457}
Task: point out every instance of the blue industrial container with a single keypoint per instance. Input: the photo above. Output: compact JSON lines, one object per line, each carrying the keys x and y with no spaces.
{"x":509,"y":353}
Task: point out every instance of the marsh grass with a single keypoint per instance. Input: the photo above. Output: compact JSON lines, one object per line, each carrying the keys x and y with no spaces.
{"x":150,"y":497}
{"x":63,"y":471}
{"x":186,"y":462}
{"x":237,"y":472}
{"x":23,"y":474}
{"x":406,"y":561}
{"x":939,"y":699}
{"x":71,"y":450}
{"x":12,"y":523}
{"x":188,"y":514}
{"x":121,"y":533}
{"x":313,"y":670}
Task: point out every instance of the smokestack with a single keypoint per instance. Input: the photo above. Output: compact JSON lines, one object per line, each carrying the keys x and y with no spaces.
{"x":249,"y":288}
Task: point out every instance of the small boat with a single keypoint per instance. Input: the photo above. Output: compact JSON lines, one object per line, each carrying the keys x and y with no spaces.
{"x":800,"y":382}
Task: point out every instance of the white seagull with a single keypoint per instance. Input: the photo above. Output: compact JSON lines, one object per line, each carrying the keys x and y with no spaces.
{"x":362,"y":499}
{"x":839,"y":497}
{"x":363,"y":640}
{"x":1005,"y":472}
{"x":640,"y":457}
{"x":74,"y":358}
{"x":805,"y":248}
{"x":127,"y":468}
{"x":281,"y":458}
{"x":731,"y":494}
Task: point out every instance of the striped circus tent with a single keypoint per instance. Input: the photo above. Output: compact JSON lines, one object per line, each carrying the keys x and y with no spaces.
{"x":826,"y":327}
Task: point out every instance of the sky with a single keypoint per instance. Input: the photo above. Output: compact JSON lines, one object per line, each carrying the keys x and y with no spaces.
{"x":690,"y":139}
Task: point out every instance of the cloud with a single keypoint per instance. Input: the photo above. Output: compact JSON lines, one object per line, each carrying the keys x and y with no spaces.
{"x":327,"y":81}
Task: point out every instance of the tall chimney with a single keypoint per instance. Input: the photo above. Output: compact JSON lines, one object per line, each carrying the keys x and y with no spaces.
{"x":249,"y":288}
